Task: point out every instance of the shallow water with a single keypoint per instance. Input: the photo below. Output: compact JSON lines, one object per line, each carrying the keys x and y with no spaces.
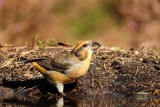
{"x":105,"y":101}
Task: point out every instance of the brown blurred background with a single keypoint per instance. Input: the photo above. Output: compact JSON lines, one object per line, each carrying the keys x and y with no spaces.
{"x":126,"y":23}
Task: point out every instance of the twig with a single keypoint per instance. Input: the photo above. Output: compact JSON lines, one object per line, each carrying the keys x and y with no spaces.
{"x":26,"y":52}
{"x":6,"y":63}
{"x":92,"y":79}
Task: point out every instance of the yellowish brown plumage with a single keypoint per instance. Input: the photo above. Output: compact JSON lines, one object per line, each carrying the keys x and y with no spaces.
{"x":39,"y":68}
{"x":60,"y":78}
{"x":67,"y":69}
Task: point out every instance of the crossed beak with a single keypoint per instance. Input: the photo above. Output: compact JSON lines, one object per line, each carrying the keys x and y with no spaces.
{"x":95,"y":45}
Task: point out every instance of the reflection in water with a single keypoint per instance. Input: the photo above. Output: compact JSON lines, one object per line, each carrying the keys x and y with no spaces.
{"x":42,"y":102}
{"x":107,"y":101}
{"x":60,"y":102}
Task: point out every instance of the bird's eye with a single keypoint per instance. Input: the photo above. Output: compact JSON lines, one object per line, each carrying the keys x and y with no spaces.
{"x":85,"y":45}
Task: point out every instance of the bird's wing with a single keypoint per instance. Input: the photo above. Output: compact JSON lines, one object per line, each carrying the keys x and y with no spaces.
{"x":62,"y":64}
{"x":59,"y":64}
{"x":43,"y":62}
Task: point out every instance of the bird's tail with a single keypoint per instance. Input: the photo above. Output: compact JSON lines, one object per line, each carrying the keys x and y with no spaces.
{"x":26,"y":60}
{"x":36,"y":64}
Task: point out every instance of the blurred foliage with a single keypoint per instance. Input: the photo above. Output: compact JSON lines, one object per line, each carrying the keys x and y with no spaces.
{"x":61,"y":6}
{"x":88,"y":20}
{"x":142,"y":17}
{"x":124,"y":22}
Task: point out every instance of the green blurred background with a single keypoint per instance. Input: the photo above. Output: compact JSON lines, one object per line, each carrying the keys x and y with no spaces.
{"x":125,"y":23}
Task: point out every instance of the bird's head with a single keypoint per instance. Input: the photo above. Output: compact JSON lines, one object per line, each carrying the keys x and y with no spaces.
{"x":84,"y":49}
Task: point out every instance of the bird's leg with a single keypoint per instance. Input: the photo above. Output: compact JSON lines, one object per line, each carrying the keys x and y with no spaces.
{"x":60,"y":88}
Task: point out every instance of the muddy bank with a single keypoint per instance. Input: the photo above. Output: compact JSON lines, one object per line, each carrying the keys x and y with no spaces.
{"x":112,"y":70}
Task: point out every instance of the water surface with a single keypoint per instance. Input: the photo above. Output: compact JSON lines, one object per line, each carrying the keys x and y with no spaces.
{"x":103,"y":101}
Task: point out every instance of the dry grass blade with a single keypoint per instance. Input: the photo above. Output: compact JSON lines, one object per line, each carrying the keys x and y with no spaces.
{"x":6,"y":63}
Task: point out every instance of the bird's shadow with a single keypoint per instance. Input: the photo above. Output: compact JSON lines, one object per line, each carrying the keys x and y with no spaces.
{"x":41,"y":84}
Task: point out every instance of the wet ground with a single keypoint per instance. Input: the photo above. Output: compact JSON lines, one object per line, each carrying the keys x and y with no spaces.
{"x":105,"y":101}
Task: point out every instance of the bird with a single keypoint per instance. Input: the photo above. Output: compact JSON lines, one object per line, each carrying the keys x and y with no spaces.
{"x":66,"y":69}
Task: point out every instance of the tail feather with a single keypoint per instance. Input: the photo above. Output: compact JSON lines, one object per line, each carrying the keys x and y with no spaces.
{"x":37,"y":64}
{"x":26,"y":60}
{"x":33,"y":60}
{"x":40,"y":68}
